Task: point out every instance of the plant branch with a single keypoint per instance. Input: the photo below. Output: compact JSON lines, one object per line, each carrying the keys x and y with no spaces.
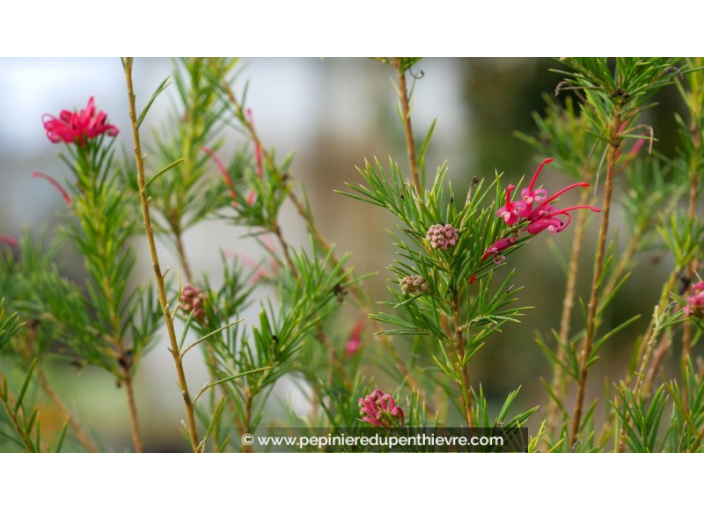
{"x":134,"y":423}
{"x":461,"y":362}
{"x":613,"y":150}
{"x":559,"y":385}
{"x":182,"y":255}
{"x":190,"y":414}
{"x":407,"y":127}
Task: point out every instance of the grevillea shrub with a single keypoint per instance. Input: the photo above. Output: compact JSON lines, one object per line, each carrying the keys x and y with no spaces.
{"x":409,"y":362}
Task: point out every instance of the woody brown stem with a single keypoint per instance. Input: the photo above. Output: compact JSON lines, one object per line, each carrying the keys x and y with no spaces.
{"x":559,"y":385}
{"x":613,"y":149}
{"x":163,"y":301}
{"x":286,"y":250}
{"x":134,"y":423}
{"x":182,"y":256}
{"x":407,"y":127}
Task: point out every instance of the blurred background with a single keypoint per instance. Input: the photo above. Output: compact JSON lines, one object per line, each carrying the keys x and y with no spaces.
{"x":332,"y":114}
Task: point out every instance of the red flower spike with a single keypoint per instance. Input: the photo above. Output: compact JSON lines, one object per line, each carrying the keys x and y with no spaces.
{"x":354,"y":342}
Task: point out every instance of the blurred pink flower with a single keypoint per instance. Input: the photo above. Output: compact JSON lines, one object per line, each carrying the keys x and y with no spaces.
{"x":193,"y":300}
{"x":78,"y":127}
{"x":695,"y":302}
{"x":10,"y":241}
{"x":354,"y":342}
{"x":379,"y":408}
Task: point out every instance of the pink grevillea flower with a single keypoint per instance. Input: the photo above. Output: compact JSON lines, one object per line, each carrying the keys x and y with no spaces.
{"x":379,"y":408}
{"x":495,"y":249}
{"x":55,"y":183}
{"x":442,"y":237}
{"x":695,"y":302}
{"x":78,"y":127}
{"x":549,"y":219}
{"x":223,"y":170}
{"x":512,"y":211}
{"x":10,"y":241}
{"x":529,"y":195}
{"x":547,"y":209}
{"x":193,"y":300}
{"x":531,"y":218}
{"x":260,"y":272}
{"x":354,"y":342}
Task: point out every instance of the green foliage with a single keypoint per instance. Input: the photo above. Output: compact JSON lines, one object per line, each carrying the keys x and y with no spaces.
{"x":9,"y":325}
{"x":641,"y":420}
{"x":626,"y":86}
{"x":683,"y":237}
{"x":563,"y":135}
{"x":444,"y":303}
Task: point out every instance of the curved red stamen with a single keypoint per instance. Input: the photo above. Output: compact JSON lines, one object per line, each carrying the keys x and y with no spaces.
{"x":537,"y":172}
{"x":572,"y":208}
{"x":510,"y":188}
{"x":564,"y":190}
{"x":54,"y":182}
{"x":223,"y":170}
